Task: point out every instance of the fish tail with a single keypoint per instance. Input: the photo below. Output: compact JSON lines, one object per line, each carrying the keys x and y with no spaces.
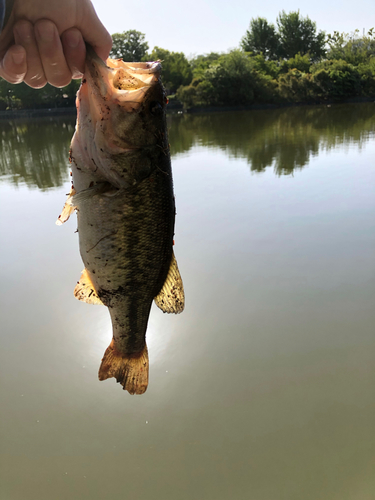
{"x":130,"y":370}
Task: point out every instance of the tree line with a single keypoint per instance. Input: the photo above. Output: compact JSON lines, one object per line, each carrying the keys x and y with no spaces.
{"x":290,"y":61}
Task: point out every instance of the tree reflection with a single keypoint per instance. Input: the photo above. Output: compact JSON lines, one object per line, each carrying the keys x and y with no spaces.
{"x":284,"y":139}
{"x":36,"y":152}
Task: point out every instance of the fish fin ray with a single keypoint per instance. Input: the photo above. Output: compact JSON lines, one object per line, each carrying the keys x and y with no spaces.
{"x":68,"y":208}
{"x":171,"y":298}
{"x":85,"y":290}
{"x":131,"y":372}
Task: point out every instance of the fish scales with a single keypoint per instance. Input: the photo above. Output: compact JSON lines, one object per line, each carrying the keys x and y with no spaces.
{"x":134,"y":241}
{"x":123,"y":194}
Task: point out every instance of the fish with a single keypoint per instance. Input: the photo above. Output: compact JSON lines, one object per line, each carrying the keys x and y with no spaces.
{"x":122,"y":192}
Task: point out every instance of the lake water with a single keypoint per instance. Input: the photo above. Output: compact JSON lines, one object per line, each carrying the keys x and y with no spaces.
{"x":264,"y":388}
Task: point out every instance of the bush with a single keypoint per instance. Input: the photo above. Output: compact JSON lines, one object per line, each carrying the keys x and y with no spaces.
{"x":367,"y":74}
{"x":296,"y":86}
{"x":302,"y":63}
{"x":336,"y":80}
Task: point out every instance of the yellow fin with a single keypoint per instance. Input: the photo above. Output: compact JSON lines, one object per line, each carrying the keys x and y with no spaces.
{"x":130,"y":370}
{"x":171,"y":298}
{"x":68,"y":209}
{"x":85,"y":290}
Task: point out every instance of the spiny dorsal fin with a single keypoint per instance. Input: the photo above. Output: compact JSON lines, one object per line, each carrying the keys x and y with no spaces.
{"x":171,"y":298}
{"x":68,"y":208}
{"x":85,"y":290}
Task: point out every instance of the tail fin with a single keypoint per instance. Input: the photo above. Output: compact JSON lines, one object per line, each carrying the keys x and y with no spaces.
{"x":130,"y":371}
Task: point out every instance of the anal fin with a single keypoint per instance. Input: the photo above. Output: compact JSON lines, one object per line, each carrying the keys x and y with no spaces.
{"x":85,"y":290}
{"x":68,"y":208}
{"x":171,"y":298}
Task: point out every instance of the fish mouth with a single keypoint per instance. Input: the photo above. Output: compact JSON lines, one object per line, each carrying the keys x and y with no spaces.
{"x":120,"y":111}
{"x":126,"y":83}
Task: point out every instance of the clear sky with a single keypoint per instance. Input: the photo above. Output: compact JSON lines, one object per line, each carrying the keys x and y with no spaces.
{"x":202,"y":26}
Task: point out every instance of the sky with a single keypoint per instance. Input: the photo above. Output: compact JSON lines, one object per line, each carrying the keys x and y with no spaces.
{"x":202,"y":26}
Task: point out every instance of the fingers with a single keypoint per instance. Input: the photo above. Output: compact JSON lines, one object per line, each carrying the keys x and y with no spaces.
{"x":74,"y":51}
{"x":51,"y":53}
{"x":24,"y":35}
{"x":13,"y":65}
{"x":46,"y":58}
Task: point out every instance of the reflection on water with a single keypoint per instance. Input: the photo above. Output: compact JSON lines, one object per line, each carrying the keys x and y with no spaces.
{"x":285,"y":139}
{"x":35,"y":152}
{"x":263,"y":389}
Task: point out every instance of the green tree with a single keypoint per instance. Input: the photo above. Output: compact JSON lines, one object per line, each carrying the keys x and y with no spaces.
{"x":200,"y":63}
{"x":298,"y":35}
{"x":261,"y":38}
{"x":302,"y":63}
{"x":176,"y":68}
{"x":24,"y":97}
{"x":129,"y":46}
{"x":337,"y":80}
{"x":265,"y":66}
{"x":231,"y":81}
{"x":351,"y":48}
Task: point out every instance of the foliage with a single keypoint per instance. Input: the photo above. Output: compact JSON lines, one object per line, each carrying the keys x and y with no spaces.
{"x":129,"y":46}
{"x":297,"y":34}
{"x":296,"y":86}
{"x":351,"y":48}
{"x":176,"y":68}
{"x":231,"y":80}
{"x":201,"y":62}
{"x":302,"y":63}
{"x":24,"y":97}
{"x":336,"y":80}
{"x":367,"y":75}
{"x":275,"y":66}
{"x":266,"y":66}
{"x":261,"y":38}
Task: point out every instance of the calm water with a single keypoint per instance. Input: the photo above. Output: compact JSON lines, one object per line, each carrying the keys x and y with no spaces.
{"x":263,"y":389}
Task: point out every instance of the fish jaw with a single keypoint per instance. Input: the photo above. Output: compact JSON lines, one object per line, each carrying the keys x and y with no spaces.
{"x":121,"y":110}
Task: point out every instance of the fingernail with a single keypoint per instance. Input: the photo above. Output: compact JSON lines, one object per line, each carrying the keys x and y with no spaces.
{"x":18,"y":57}
{"x":46,"y":32}
{"x":72,"y":39}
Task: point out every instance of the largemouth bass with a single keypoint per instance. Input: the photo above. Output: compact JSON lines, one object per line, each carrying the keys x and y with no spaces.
{"x":122,"y":192}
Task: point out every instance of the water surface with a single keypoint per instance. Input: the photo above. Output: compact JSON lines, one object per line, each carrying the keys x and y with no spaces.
{"x":263,"y":389}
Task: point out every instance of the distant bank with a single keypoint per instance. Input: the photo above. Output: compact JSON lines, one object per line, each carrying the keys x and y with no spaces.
{"x":36,"y":113}
{"x":176,"y":108}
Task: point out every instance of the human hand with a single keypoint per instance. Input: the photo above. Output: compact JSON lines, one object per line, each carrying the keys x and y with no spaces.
{"x":44,"y":41}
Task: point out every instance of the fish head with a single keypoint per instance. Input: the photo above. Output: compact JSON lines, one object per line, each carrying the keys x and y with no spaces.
{"x":121,"y":109}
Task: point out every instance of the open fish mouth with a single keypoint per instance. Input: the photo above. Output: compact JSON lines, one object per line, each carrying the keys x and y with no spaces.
{"x":121,"y":110}
{"x":124,"y":82}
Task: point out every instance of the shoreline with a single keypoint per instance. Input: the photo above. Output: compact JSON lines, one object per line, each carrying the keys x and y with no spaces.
{"x":265,"y":106}
{"x":71,"y":111}
{"x":37,"y":113}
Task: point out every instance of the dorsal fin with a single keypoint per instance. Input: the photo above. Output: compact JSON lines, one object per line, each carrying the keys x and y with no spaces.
{"x":171,"y":298}
{"x":85,"y":290}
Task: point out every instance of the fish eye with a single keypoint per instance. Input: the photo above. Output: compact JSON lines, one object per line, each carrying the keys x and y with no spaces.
{"x":156,"y":108}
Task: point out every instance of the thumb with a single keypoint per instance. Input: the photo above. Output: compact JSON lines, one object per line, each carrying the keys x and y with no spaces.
{"x":94,"y":33}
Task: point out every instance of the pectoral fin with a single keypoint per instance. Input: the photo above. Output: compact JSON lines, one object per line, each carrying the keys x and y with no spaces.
{"x":171,"y":298}
{"x":68,"y":208}
{"x":97,"y":189}
{"x":85,"y":290}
